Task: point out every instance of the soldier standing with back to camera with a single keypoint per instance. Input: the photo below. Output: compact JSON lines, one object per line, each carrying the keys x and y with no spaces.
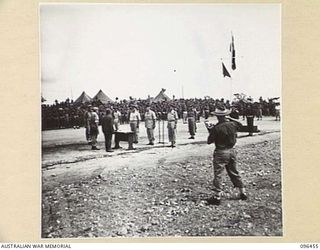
{"x":224,"y":134}
{"x":107,"y":128}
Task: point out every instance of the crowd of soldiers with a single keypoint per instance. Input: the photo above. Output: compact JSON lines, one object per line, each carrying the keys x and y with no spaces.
{"x":149,"y":114}
{"x":67,"y":115}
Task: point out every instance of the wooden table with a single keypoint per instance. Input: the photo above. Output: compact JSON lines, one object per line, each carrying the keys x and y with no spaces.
{"x":124,"y":136}
{"x":246,"y":129}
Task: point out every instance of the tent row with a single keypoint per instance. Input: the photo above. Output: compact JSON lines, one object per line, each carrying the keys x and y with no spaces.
{"x":100,"y":96}
{"x":103,"y":98}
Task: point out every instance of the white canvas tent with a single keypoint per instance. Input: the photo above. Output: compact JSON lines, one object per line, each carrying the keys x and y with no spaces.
{"x":161,"y":97}
{"x":102,"y":97}
{"x":83,"y":98}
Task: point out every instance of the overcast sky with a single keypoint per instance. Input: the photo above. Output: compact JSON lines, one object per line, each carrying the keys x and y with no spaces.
{"x":137,"y":49}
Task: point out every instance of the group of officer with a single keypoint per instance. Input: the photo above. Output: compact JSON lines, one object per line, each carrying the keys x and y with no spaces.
{"x":109,"y":121}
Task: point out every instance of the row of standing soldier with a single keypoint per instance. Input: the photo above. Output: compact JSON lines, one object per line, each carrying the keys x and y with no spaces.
{"x":111,"y":124}
{"x":67,"y":115}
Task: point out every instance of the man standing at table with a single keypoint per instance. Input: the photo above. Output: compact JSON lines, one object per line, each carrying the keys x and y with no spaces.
{"x":107,"y":128}
{"x":150,"y":123}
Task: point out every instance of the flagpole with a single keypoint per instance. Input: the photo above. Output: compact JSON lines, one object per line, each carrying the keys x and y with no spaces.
{"x":231,"y":90}
{"x":232,"y":65}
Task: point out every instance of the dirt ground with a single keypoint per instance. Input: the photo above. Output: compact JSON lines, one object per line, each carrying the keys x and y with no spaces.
{"x":157,"y":190}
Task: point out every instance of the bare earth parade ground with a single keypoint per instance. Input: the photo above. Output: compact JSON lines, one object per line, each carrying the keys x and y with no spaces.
{"x":158,"y":191}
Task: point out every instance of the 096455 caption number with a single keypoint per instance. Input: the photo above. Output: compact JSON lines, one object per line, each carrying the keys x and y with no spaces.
{"x":309,"y":246}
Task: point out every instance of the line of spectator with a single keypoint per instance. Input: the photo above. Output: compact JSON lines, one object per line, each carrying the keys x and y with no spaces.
{"x":67,"y":115}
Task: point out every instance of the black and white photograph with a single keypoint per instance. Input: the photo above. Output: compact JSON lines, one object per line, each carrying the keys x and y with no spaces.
{"x":160,"y":120}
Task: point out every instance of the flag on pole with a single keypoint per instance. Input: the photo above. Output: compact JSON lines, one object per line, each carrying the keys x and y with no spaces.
{"x":233,"y":54}
{"x":225,"y":71}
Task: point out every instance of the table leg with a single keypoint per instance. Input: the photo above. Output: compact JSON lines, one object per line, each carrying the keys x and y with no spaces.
{"x":130,"y":142}
{"x":116,"y":140}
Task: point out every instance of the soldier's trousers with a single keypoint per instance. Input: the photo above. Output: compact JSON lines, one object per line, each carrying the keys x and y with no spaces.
{"x":88,"y":134}
{"x":133,"y":127}
{"x":116,"y":124}
{"x":192,"y":126}
{"x":150,"y":133}
{"x":172,"y":132}
{"x":93,"y":137}
{"x":225,"y":159}
{"x":250,"y":123}
{"x":94,"y":131}
{"x":108,"y":140}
